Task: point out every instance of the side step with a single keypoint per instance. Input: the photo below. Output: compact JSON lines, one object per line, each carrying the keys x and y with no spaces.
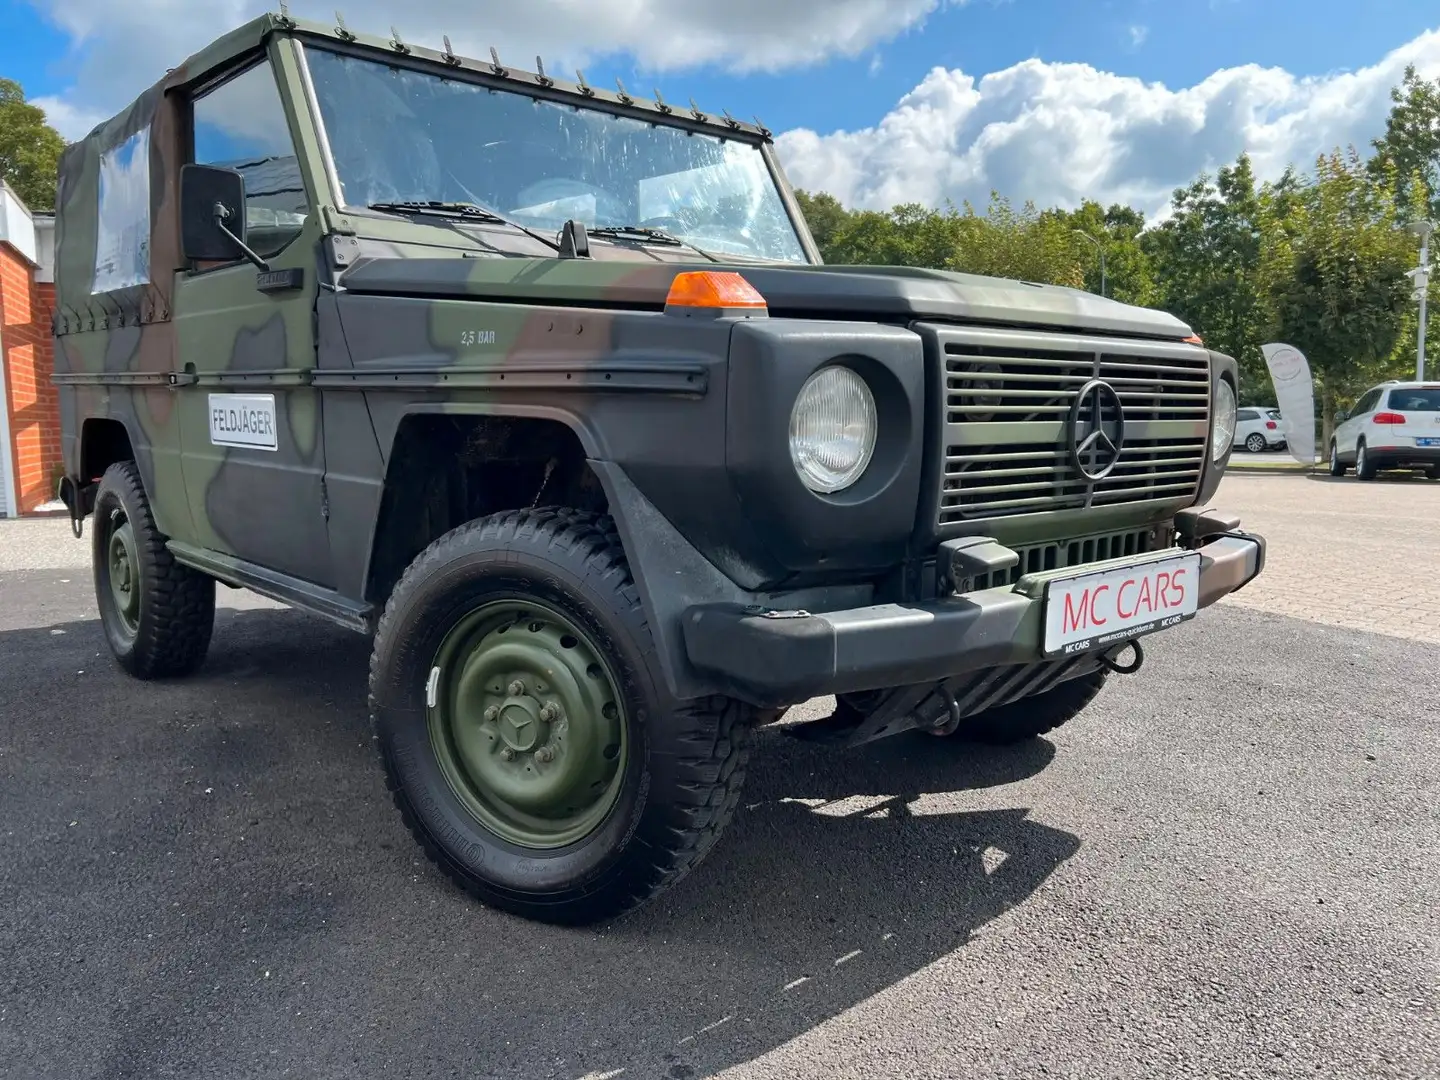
{"x":304,"y":595}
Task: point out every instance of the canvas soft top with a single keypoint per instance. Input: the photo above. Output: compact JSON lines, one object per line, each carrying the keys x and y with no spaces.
{"x":117,"y":223}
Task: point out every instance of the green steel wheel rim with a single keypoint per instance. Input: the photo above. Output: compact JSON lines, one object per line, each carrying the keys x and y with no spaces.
{"x":527,"y":723}
{"x":124,"y":573}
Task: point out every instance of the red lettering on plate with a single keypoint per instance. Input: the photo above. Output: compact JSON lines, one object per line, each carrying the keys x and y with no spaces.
{"x":1072,"y":619}
{"x":1162,"y":587}
{"x":1093,"y":617}
{"x":1175,"y":583}
{"x":1120,"y":600}
{"x":1146,"y":597}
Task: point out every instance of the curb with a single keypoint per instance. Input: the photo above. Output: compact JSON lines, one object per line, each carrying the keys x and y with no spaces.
{"x":1273,"y":470}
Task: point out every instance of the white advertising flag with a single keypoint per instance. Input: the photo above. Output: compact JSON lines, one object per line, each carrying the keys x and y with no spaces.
{"x":1295,"y":396}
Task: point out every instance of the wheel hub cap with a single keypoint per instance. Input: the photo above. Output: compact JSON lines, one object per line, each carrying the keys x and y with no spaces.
{"x":520,"y":725}
{"x":124,"y":575}
{"x":526,"y":724}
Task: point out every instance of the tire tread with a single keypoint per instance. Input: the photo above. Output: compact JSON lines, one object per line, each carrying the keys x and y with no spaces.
{"x":175,"y":638}
{"x":713,"y":732}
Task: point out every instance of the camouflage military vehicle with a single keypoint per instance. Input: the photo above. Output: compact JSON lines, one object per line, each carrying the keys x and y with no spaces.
{"x":546,"y":388}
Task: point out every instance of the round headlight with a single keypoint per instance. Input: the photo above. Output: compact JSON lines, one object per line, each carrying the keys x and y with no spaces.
{"x":1222,"y":432}
{"x":832,"y":429}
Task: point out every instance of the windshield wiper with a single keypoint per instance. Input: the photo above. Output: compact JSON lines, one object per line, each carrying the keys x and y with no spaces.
{"x":654,"y":236}
{"x":472,"y":211}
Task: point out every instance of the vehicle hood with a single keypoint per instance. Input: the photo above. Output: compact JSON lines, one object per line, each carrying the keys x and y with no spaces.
{"x":889,"y":293}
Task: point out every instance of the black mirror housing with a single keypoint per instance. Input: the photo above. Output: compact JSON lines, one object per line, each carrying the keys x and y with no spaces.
{"x":209,"y":198}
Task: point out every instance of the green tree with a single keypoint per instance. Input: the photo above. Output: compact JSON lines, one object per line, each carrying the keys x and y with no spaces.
{"x":29,"y":148}
{"x":825,"y":217}
{"x":1337,"y":278}
{"x":1411,"y":143}
{"x":1206,"y":261}
{"x":1128,"y":274}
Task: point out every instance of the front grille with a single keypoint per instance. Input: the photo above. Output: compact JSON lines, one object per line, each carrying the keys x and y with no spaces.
{"x":1007,"y":400}
{"x":1063,"y":554}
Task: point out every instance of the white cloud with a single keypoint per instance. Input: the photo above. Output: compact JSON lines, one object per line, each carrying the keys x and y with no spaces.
{"x":1138,"y":34}
{"x":124,"y":47}
{"x":71,"y":121}
{"x":1060,"y":133}
{"x":1054,"y":133}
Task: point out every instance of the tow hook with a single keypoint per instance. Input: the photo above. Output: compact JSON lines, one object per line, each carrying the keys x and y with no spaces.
{"x":1108,"y":659}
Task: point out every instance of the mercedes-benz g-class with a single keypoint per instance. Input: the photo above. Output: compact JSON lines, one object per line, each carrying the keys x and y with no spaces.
{"x":547,"y":388}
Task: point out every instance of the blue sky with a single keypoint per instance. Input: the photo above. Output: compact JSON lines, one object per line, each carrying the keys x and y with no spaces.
{"x":878,"y":99}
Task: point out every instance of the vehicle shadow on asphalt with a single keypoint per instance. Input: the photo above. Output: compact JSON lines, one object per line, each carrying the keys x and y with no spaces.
{"x":234,"y":824}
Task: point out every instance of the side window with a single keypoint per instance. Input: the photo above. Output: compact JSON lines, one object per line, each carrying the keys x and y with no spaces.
{"x":1247,"y":414}
{"x":1366,"y":405}
{"x":241,"y":125}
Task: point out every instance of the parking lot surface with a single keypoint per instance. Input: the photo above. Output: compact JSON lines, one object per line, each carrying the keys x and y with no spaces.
{"x":1229,"y":866}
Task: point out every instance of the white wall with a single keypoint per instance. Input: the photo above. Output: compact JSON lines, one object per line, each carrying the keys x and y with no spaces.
{"x":17,"y":225}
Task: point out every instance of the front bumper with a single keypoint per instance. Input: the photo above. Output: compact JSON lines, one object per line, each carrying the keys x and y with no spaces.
{"x":782,"y":658}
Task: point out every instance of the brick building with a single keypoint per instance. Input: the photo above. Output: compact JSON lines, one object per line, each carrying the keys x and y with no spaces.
{"x":29,"y":411}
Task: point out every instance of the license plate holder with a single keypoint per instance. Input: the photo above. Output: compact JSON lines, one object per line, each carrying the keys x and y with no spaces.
{"x":1098,"y":609}
{"x":1427,"y":442}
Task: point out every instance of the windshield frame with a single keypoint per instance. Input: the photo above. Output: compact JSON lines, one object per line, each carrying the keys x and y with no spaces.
{"x":467,"y":71}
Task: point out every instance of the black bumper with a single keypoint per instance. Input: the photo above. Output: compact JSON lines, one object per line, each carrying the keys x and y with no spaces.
{"x":782,"y":658}
{"x":1403,"y":457}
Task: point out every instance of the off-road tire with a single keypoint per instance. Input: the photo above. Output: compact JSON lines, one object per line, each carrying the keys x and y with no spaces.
{"x":176,"y":603}
{"x":1337,"y":467}
{"x":1031,"y":717}
{"x":1255,"y":443}
{"x":1364,"y":466}
{"x":685,"y":765}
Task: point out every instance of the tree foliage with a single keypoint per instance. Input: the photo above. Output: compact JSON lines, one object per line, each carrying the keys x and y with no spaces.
{"x":1337,"y":276}
{"x":29,"y":148}
{"x":1410,"y":147}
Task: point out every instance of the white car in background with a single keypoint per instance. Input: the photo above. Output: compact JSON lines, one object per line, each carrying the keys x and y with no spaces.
{"x":1393,"y":426}
{"x":1259,"y":429}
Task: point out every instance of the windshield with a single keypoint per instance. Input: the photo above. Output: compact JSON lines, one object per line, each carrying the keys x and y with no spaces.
{"x":1419,"y":399}
{"x":398,"y":135}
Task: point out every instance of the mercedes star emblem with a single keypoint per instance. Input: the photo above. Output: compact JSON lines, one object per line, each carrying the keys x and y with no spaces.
{"x":1097,"y":430}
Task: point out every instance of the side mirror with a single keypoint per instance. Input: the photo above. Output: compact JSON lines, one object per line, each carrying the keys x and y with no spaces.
{"x":1342,"y":416}
{"x":212,"y":215}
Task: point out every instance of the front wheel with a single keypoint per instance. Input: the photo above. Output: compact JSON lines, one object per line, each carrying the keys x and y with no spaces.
{"x":531,"y":749}
{"x":1336,"y":469}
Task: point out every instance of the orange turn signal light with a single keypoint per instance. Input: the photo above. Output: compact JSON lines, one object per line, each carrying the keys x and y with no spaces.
{"x":713,"y":289}
{"x":1194,"y":339}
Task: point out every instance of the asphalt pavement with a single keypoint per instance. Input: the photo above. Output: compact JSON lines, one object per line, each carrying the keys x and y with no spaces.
{"x":1228,"y":867}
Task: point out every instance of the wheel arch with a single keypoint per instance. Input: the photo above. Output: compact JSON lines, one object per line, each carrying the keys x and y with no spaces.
{"x":449,"y":463}
{"x":102,"y":441}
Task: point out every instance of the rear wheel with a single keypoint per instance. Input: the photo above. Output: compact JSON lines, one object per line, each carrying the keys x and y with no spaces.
{"x":1255,"y":443}
{"x":531,"y":749}
{"x":1364,"y":467}
{"x":157,"y":614}
{"x":1031,"y":717}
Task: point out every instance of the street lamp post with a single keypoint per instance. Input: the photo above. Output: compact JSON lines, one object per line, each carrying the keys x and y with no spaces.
{"x":1421,"y":277}
{"x":1100,"y":248}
